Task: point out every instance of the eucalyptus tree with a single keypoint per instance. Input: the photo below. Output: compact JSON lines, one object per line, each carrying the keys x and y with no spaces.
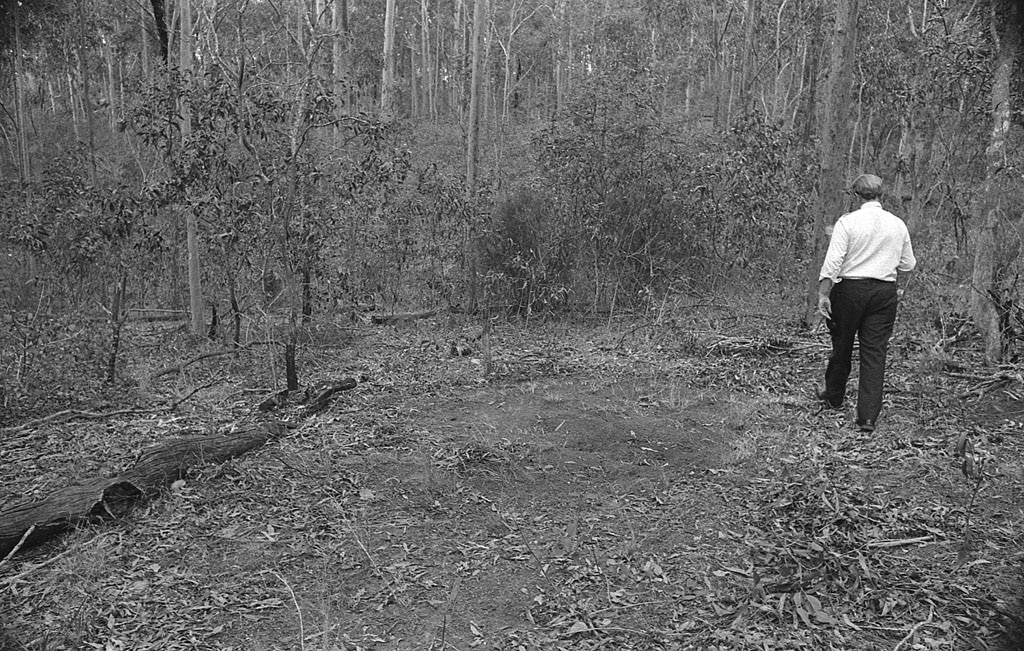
{"x":996,"y":293}
{"x":834,"y":135}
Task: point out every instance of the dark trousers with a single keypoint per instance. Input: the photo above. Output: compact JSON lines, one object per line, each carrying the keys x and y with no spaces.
{"x":865,"y":309}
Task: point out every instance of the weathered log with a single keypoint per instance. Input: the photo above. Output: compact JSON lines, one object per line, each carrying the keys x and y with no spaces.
{"x":389,"y":319}
{"x":152,"y":316}
{"x":64,"y":509}
{"x":319,"y":400}
{"x":315,"y":399}
{"x":111,"y":498}
{"x":171,"y":460}
{"x":276,"y":400}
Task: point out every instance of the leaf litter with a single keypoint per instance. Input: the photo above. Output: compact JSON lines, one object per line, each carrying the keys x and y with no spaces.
{"x":434,"y":508}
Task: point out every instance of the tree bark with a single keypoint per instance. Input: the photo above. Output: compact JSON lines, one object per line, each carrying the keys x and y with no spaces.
{"x":427,"y":79}
{"x":113,"y":98}
{"x":387,"y":84}
{"x":24,"y":160}
{"x":750,"y":13}
{"x":160,"y":20}
{"x":562,"y":56}
{"x":86,"y":94}
{"x":195,"y":288}
{"x":475,"y":98}
{"x":987,"y":304}
{"x":340,"y":62}
{"x":831,"y":202}
{"x":473,"y":142}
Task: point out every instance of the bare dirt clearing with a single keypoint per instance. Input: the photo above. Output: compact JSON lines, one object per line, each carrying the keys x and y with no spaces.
{"x":591,"y":497}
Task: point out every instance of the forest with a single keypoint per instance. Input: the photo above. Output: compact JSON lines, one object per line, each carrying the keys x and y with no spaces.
{"x":430,"y":324}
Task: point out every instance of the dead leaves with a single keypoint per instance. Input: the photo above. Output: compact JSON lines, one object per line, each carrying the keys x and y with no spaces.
{"x":379,"y":524}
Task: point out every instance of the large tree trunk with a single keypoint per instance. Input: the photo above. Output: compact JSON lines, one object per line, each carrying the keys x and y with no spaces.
{"x":834,"y":140}
{"x":561,"y":56}
{"x":340,"y":62}
{"x":387,"y":84}
{"x":86,"y":94}
{"x":195,"y":288}
{"x":24,"y":167}
{"x":160,"y":21}
{"x":747,"y":76}
{"x":475,"y":98}
{"x":987,"y":301}
{"x":427,"y":78}
{"x":473,"y":140}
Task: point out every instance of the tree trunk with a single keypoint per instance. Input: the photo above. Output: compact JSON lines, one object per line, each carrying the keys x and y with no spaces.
{"x":561,"y":56}
{"x":473,"y":140}
{"x":118,"y":313}
{"x":73,"y":105}
{"x":750,"y":12}
{"x":340,"y":62}
{"x":162,"y":33}
{"x":833,"y":142}
{"x":475,"y":98}
{"x":987,"y":302}
{"x":810,"y":76}
{"x":414,"y":84}
{"x":195,"y":288}
{"x":86,"y":94}
{"x":427,"y":79}
{"x":145,"y":55}
{"x":292,"y":285}
{"x":24,"y":166}
{"x":113,"y":100}
{"x":387,"y":84}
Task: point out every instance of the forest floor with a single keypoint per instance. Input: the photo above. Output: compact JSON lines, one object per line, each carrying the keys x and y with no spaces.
{"x":628,"y":485}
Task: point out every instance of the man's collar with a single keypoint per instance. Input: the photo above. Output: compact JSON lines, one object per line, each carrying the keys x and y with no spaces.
{"x":874,"y":203}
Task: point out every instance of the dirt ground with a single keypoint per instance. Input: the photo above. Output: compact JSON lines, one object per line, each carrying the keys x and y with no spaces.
{"x":590,"y":494}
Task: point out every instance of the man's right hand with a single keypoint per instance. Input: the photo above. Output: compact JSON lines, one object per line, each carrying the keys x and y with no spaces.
{"x":825,"y":306}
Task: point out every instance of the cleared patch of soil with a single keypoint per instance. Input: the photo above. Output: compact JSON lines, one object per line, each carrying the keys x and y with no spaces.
{"x":499,"y":505}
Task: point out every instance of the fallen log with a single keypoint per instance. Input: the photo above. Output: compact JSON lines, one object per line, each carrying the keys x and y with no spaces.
{"x":32,"y":522}
{"x":315,"y":399}
{"x":319,"y":400}
{"x":152,"y":316}
{"x":62,"y":510}
{"x":171,"y":460}
{"x":403,"y":317}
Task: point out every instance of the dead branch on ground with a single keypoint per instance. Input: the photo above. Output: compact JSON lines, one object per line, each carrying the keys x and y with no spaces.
{"x":403,"y":317}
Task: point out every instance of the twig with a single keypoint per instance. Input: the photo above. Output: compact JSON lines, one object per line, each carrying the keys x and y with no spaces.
{"x":68,"y":414}
{"x":447,"y":608}
{"x":217,"y":380}
{"x":302,"y":628}
{"x":11,"y":580}
{"x":992,"y":384}
{"x":915,"y":629}
{"x":369,"y":557}
{"x":878,"y":544}
{"x":519,"y":532}
{"x":21,"y":542}
{"x":178,"y":368}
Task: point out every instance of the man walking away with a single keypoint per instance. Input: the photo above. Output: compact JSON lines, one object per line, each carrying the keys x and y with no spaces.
{"x":857,"y":294}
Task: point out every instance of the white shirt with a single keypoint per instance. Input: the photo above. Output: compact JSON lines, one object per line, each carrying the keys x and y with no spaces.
{"x":868,"y":243}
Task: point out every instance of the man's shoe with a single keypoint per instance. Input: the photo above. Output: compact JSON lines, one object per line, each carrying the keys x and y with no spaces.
{"x":834,"y":405}
{"x":866,"y":426}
